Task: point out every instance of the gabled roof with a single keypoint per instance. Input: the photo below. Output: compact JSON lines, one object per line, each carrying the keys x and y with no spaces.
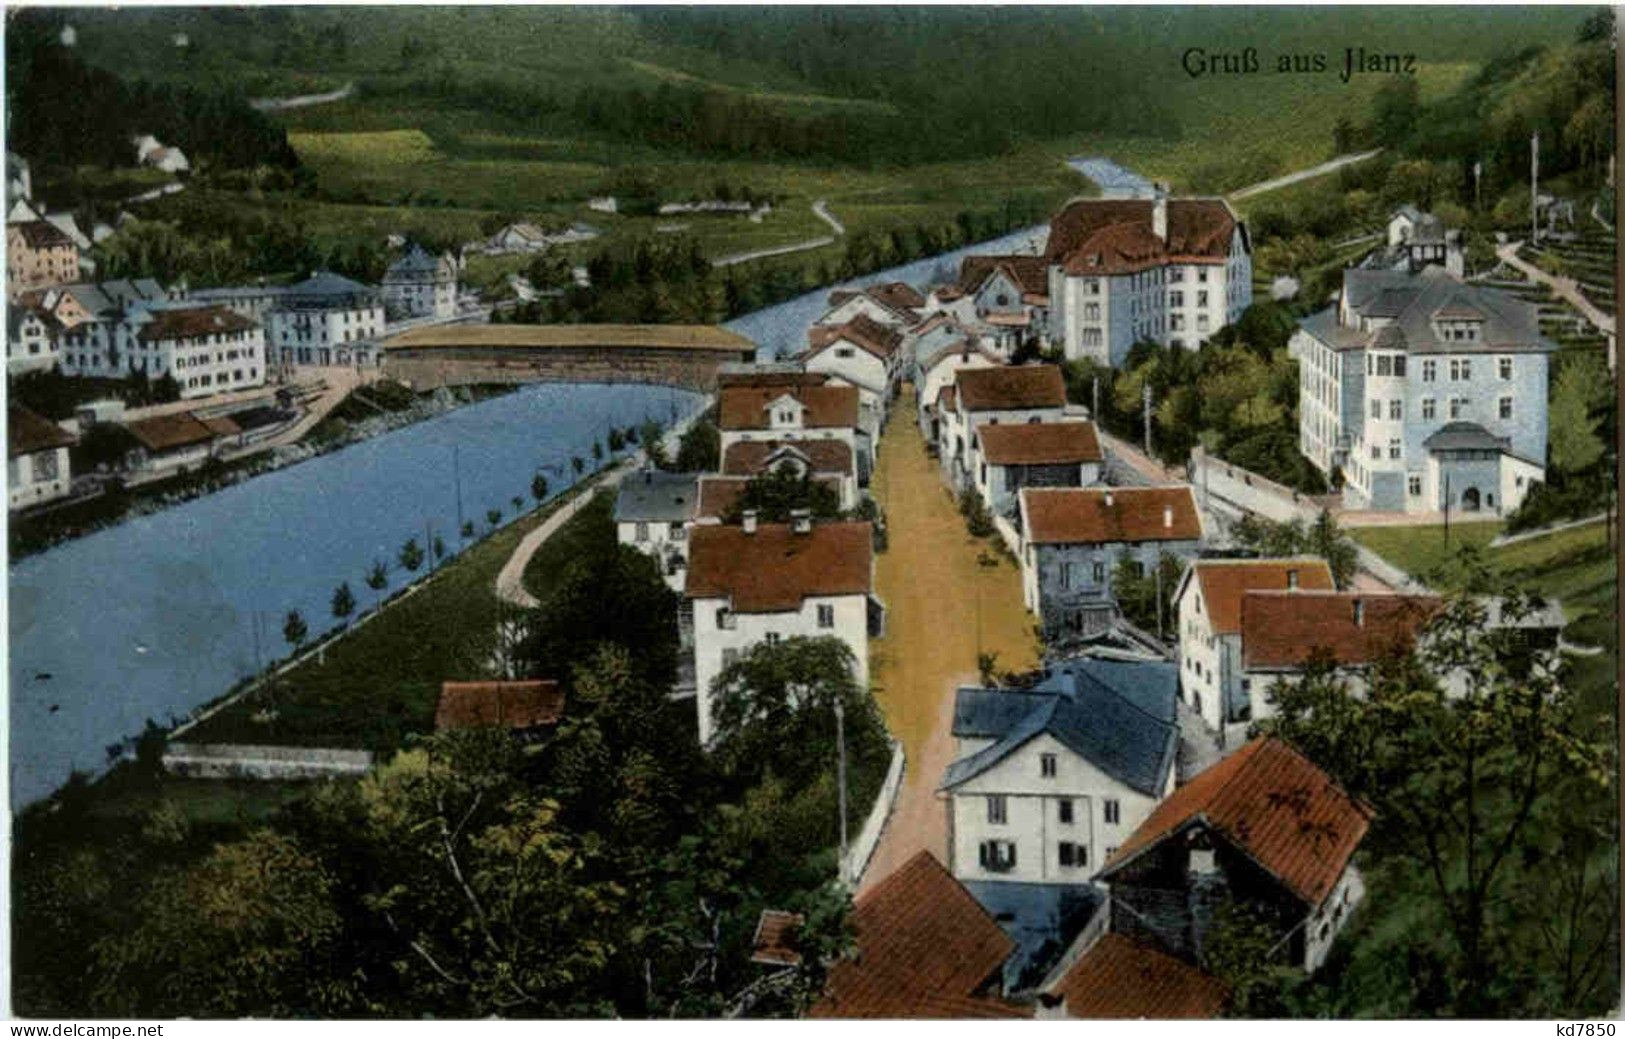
{"x":925,"y":948}
{"x":862,"y":331}
{"x":962,"y":350}
{"x":181,"y":429}
{"x":655,"y":496}
{"x":1121,"y":978}
{"x":1117,"y":715}
{"x":192,"y":322}
{"x":1041,"y":443}
{"x":1109,"y":236}
{"x":1280,"y":630}
{"x":898,"y":295}
{"x":27,"y":433}
{"x":42,"y":234}
{"x":1414,"y":302}
{"x":746,"y":407}
{"x":749,"y":457}
{"x":326,"y":284}
{"x":510,"y":705}
{"x":416,"y":260}
{"x":1223,"y":582}
{"x":1106,"y":515}
{"x":1029,"y":273}
{"x":774,"y":569}
{"x":1465,"y":436}
{"x":1274,"y":804}
{"x":1012,"y":387}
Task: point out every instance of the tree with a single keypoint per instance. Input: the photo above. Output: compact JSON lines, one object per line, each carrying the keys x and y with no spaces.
{"x":612,"y":594}
{"x":467,"y":530}
{"x":1454,"y":745}
{"x":1136,"y":591}
{"x":493,"y":517}
{"x":1323,"y":538}
{"x":652,"y":439}
{"x":700,"y":448}
{"x":343,"y":601}
{"x":1395,"y":110}
{"x":411,"y":556}
{"x":578,"y":465}
{"x":438,"y":547}
{"x":774,"y":495}
{"x":1582,"y":388}
{"x":378,"y":576}
{"x":597,"y":451}
{"x":538,"y":487}
{"x":294,"y":629}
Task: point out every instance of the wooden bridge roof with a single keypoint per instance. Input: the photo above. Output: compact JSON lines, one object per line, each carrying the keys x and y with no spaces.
{"x":544,"y":337}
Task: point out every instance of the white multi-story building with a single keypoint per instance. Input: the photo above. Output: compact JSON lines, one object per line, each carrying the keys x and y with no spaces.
{"x":37,"y":468}
{"x":1048,"y":781}
{"x":1173,"y":271}
{"x":894,"y":303}
{"x":206,"y":349}
{"x":861,"y":353}
{"x":790,"y":409}
{"x":653,"y":513}
{"x":765,"y":582}
{"x":325,"y":319}
{"x":420,"y":285}
{"x":989,"y":396}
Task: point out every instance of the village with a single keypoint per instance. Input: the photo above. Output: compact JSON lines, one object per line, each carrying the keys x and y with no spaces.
{"x":1110,"y":734}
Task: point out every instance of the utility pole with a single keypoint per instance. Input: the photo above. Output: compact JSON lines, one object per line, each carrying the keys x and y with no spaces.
{"x":1145,"y":402}
{"x":1447,"y":513}
{"x":1478,"y":187}
{"x":457,"y":483}
{"x":1158,"y":566}
{"x":1095,"y":412}
{"x":1534,"y":188}
{"x":840,"y":778}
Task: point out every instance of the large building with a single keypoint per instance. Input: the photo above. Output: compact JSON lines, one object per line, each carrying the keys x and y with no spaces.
{"x":1124,"y":270}
{"x":37,"y":467}
{"x":325,"y":319}
{"x":206,"y":349}
{"x":38,"y":253}
{"x":420,"y":285}
{"x":1424,"y":392}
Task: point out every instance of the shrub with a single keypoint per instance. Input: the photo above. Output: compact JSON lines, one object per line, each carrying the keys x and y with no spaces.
{"x":978,"y":520}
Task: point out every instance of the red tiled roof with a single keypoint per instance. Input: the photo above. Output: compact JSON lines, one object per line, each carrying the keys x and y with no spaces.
{"x":1103,"y":515}
{"x":898,"y":295}
{"x":925,"y":948}
{"x":862,"y":331}
{"x":1119,"y":233}
{"x":774,"y":944}
{"x":1041,"y":443}
{"x":1030,"y":273}
{"x":27,"y":433}
{"x":749,"y":457}
{"x":1282,"y":629}
{"x":513,"y":705}
{"x":774,"y":569}
{"x":193,"y":322}
{"x":771,"y":378}
{"x":963,"y":348}
{"x":1012,"y":387}
{"x":1223,"y":582}
{"x":1274,"y":804}
{"x":181,"y":429}
{"x":745,"y":407}
{"x":42,"y":234}
{"x":1124,"y":978}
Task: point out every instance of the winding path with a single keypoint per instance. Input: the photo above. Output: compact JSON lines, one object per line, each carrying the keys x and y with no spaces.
{"x":282,"y":104}
{"x":1566,"y":288}
{"x":821,"y":210}
{"x":1312,"y":172}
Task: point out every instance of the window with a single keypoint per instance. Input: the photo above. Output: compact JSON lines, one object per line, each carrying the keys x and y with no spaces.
{"x":730,"y":657}
{"x":1430,"y":370}
{"x":843,"y":351}
{"x":1399,"y":364}
{"x":1385,"y":364}
{"x":1099,"y":572}
{"x":1505,"y":408}
{"x":1066,"y":575}
{"x":771,"y":638}
{"x":1063,"y":810}
{"x":1393,"y":447}
{"x":1413,"y":486}
{"x":642,"y":531}
{"x":1074,"y":855}
{"x":1176,"y":299}
{"x":1376,"y":409}
{"x":826,"y":615}
{"x":1376,"y":453}
{"x":996,"y":809}
{"x":1457,"y":407}
{"x":1201,"y":275}
{"x":45,"y":466}
{"x":1505,"y":366}
{"x":997,"y":856}
{"x":1046,"y":765}
{"x":725,"y":619}
{"x":1201,"y":298}
{"x":1429,"y":407}
{"x":1396,"y":409}
{"x":1113,"y":811}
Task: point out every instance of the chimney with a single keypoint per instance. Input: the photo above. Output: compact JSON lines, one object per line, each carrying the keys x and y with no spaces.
{"x":1108,"y":499}
{"x":1292,"y":580}
{"x":1159,"y":212}
{"x":800,"y":521}
{"x":1359,"y":613}
{"x":1167,"y":517}
{"x":748,"y":521}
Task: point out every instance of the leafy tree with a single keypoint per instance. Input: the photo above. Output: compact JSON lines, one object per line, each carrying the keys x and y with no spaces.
{"x":978,"y":520}
{"x":651,"y":438}
{"x":411,"y":555}
{"x":438,"y":547}
{"x":616,"y":441}
{"x":378,"y":576}
{"x":467,"y":530}
{"x":294,"y":629}
{"x":1582,"y":389}
{"x":578,"y":465}
{"x":1322,"y":538}
{"x":774,"y":495}
{"x":1137,"y":591}
{"x":343,"y":602}
{"x":597,"y":451}
{"x":493,"y":517}
{"x":538,"y":487}
{"x":699,"y":449}
{"x":613,"y":594}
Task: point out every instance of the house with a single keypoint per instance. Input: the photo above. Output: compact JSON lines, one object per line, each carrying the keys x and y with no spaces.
{"x":764,"y":582}
{"x":518,"y":238}
{"x":1048,"y":780}
{"x":1416,"y":240}
{"x":326,"y":319}
{"x":150,"y":152}
{"x":821,"y":460}
{"x":925,"y":949}
{"x":990,"y":396}
{"x":31,"y":339}
{"x":894,"y":303}
{"x":1072,"y":539}
{"x":1282,"y":631}
{"x":525,"y":707}
{"x":949,"y":301}
{"x":176,"y":442}
{"x":1264,"y":827}
{"x":1425,"y":392}
{"x":720,"y":496}
{"x":19,"y":177}
{"x":936,"y":368}
{"x":37,"y":466}
{"x":207,"y":349}
{"x":863,"y":353}
{"x":1044,"y":454}
{"x":420,"y":285}
{"x":1123,"y":978}
{"x":603,"y":204}
{"x":775,"y":942}
{"x":790,"y":409}
{"x":38,"y":253}
{"x":1208,"y":605}
{"x":653,"y":513}
{"x":1121,"y":270}
{"x":1009,"y":294}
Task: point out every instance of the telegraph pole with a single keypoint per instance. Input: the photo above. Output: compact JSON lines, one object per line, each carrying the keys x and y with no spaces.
{"x":1447,"y":513}
{"x":1095,"y":414}
{"x":1534,"y":188}
{"x":840,"y":778}
{"x":1145,"y":401}
{"x":457,"y":483}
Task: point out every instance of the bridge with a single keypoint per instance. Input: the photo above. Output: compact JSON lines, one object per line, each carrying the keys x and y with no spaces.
{"x":671,"y":355}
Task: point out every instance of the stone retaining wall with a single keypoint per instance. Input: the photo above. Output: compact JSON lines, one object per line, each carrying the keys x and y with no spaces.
{"x":863,"y":849}
{"x":242,"y":761}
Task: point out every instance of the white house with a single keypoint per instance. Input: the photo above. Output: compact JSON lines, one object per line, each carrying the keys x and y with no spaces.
{"x":420,"y":285}
{"x":861,"y":353}
{"x":31,"y":339}
{"x":894,"y":303}
{"x":325,"y":320}
{"x":1173,"y":271}
{"x":653,"y":513}
{"x":178,"y":442}
{"x":1034,"y":454}
{"x":939,"y":357}
{"x":37,"y":468}
{"x":1009,"y":296}
{"x":1416,"y":240}
{"x":819,"y":460}
{"x":1208,"y":604}
{"x":207,"y":349}
{"x":787,"y":410}
{"x":1048,"y":781}
{"x":1264,"y":826}
{"x":765,"y":582}
{"x":990,"y":396}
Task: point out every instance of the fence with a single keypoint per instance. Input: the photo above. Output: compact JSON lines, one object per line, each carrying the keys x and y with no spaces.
{"x":243,"y":761}
{"x":863,"y":849}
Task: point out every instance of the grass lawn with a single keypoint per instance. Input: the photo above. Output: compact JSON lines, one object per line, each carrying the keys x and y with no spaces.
{"x":1420,"y":550}
{"x":378,"y":685}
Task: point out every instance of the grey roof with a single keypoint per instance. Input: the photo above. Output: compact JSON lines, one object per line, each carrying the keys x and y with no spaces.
{"x":416,"y":260}
{"x":653,"y":496}
{"x":1412,"y":302}
{"x":325,"y":289}
{"x":1042,"y":919}
{"x":1465,"y":436}
{"x":1118,"y":715}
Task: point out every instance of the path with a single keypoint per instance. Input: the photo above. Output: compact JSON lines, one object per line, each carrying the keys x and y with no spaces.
{"x":282,"y":104}
{"x":928,"y":579}
{"x":1566,"y":288}
{"x":1302,"y":175}
{"x":821,"y":210}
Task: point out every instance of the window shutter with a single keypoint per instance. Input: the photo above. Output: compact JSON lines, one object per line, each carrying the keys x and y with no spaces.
{"x":981,"y":854}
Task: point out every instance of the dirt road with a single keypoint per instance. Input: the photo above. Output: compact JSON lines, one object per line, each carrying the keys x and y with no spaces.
{"x":1303,"y":175}
{"x":929,"y":579}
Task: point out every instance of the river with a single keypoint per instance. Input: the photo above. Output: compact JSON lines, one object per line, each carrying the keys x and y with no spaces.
{"x":157,"y":616}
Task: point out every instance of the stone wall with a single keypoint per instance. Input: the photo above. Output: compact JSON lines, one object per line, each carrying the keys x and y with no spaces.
{"x":242,"y":761}
{"x":863,"y":849}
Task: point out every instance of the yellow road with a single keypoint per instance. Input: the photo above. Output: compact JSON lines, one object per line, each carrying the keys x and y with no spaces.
{"x":931,"y":581}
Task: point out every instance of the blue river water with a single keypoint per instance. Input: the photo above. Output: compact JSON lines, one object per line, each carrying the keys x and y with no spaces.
{"x":161,"y":614}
